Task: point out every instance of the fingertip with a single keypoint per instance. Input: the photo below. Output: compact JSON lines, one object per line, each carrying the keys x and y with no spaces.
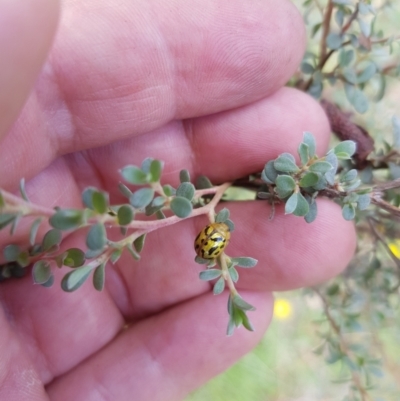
{"x":27,"y":29}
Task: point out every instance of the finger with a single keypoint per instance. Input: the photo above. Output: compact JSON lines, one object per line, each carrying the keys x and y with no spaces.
{"x":115,"y":83}
{"x":175,"y":351}
{"x":224,"y":146}
{"x":27,"y":28}
{"x":19,"y":380}
{"x":290,"y":254}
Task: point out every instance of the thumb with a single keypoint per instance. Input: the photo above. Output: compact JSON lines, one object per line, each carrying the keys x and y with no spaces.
{"x":27,"y":28}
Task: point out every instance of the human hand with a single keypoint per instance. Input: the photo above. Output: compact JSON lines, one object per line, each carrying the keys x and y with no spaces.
{"x":196,"y":84}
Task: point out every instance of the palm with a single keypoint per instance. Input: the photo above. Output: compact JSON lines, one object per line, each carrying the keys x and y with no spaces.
{"x":121,"y":85}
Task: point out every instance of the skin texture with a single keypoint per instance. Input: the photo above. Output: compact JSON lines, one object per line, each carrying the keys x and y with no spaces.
{"x":199,"y":85}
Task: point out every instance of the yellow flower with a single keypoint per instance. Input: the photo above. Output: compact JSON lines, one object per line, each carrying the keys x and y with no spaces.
{"x":395,"y":248}
{"x":282,"y":308}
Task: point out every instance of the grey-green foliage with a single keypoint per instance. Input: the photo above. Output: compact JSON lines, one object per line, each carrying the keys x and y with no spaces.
{"x":298,"y":183}
{"x":359,"y":45}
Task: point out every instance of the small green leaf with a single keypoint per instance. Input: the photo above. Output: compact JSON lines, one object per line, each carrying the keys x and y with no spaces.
{"x":15,"y":223}
{"x":222,"y":215}
{"x":134,"y":175}
{"x":210,"y":274}
{"x":158,"y":201}
{"x":87,"y":196}
{"x":200,"y":260}
{"x":124,"y":190}
{"x":348,"y":147}
{"x":115,"y":256}
{"x":303,"y":153}
{"x":363,"y":201}
{"x":353,"y":186}
{"x":231,"y":327}
{"x":348,"y":212}
{"x":368,"y":72}
{"x":244,"y":262}
{"x":100,"y":201}
{"x":2,"y":201}
{"x":203,"y":182}
{"x":156,"y":168}
{"x":396,"y":131}
{"x":51,"y":239}
{"x":22,"y":190}
{"x":291,"y":204}
{"x":346,"y":57}
{"x":184,"y":176}
{"x":309,"y":140}
{"x":285,"y":185}
{"x":66,"y":219}
{"x":33,"y":231}
{"x":334,"y":40}
{"x":6,"y":219}
{"x":312,"y":212}
{"x":168,"y":190}
{"x":285,"y":164}
{"x":96,"y":237}
{"x":270,"y":171}
{"x":332,"y":159}
{"x":49,"y":282}
{"x":309,"y":180}
{"x":241,"y":303}
{"x":186,"y":190}
{"x":74,"y":257}
{"x":302,"y":207}
{"x":321,"y":167}
{"x":360,"y":101}
{"x":150,"y":210}
{"x":146,"y":163}
{"x":350,"y":175}
{"x":246,"y":322}
{"x":181,"y":207}
{"x":41,"y":272}
{"x":142,"y":197}
{"x":125,"y":215}
{"x":219,"y":286}
{"x":74,"y":279}
{"x":230,"y":224}
{"x":23,"y":259}
{"x":160,"y":215}
{"x":307,"y":68}
{"x":139,"y":243}
{"x":133,"y":252}
{"x":99,"y":277}
{"x":11,"y":252}
{"x":234,"y":274}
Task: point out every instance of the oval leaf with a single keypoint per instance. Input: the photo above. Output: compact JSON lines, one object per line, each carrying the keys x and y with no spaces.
{"x":308,"y":180}
{"x":96,"y":237}
{"x":291,"y":204}
{"x":285,"y":164}
{"x":99,"y":277}
{"x":51,"y":239}
{"x":134,"y":175}
{"x":219,"y":286}
{"x":184,"y":176}
{"x":302,"y":207}
{"x":210,"y":274}
{"x":41,"y":272}
{"x":125,"y":215}
{"x":66,"y":219}
{"x":74,"y":257}
{"x":73,"y":280}
{"x":186,"y":190}
{"x":181,"y":207}
{"x":156,"y":167}
{"x":222,"y":215}
{"x":142,"y":197}
{"x":244,"y":262}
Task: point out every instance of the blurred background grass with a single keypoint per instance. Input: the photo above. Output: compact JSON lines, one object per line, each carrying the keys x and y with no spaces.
{"x":283,"y":367}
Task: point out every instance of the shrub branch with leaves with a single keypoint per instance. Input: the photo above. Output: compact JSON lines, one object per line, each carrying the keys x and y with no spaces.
{"x":363,"y":178}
